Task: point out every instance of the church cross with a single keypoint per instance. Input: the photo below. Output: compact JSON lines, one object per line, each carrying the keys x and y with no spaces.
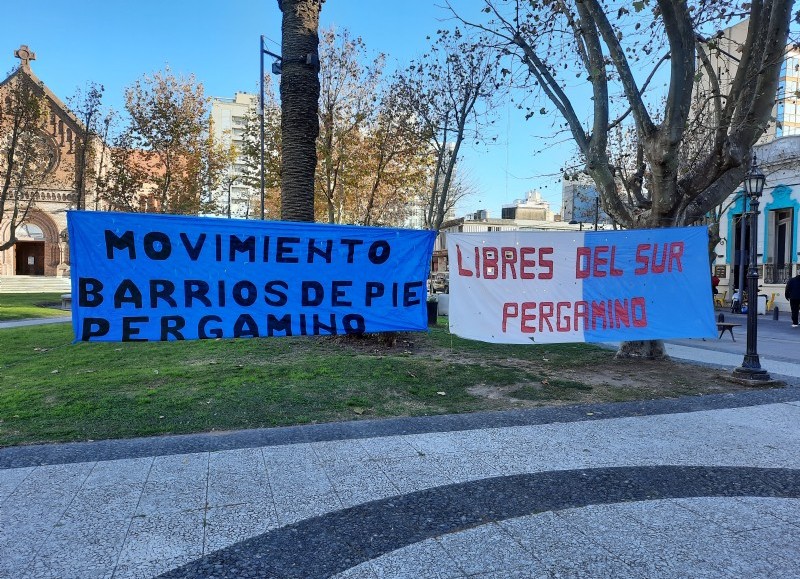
{"x":26,"y":55}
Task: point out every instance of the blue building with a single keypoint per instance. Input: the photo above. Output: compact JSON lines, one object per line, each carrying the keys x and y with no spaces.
{"x":778,"y":251}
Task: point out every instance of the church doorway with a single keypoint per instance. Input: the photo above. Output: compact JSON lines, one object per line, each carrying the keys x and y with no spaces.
{"x":29,"y":258}
{"x":38,"y":250}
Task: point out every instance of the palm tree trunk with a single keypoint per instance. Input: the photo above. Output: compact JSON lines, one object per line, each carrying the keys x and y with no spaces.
{"x":299,"y":105}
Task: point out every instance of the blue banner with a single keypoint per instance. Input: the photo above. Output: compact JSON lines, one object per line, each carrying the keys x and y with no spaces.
{"x":144,"y":277}
{"x":520,"y":287}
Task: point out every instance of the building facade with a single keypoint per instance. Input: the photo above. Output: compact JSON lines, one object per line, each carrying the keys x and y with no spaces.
{"x":787,"y":108}
{"x":778,"y":250}
{"x":579,"y":202}
{"x":778,"y":156}
{"x":229,"y":121}
{"x":533,"y":207}
{"x":42,"y":243}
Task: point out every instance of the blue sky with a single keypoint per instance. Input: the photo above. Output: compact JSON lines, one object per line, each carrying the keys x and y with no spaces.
{"x":114,"y":43}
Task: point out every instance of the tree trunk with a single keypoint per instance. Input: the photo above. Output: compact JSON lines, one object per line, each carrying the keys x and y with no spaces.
{"x":299,"y":106}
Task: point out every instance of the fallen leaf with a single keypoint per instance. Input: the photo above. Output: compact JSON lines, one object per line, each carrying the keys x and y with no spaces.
{"x":546,"y":359}
{"x":411,"y":374}
{"x":161,"y":417}
{"x":590,"y":414}
{"x":358,"y":410}
{"x":442,"y":393}
{"x":155,"y":371}
{"x":545,"y":382}
{"x":54,"y":372}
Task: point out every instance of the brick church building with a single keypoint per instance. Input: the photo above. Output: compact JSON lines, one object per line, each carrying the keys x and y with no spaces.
{"x":42,"y":247}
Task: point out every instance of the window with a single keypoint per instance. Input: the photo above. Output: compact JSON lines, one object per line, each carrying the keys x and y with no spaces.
{"x":780,"y":238}
{"x":30,"y":231}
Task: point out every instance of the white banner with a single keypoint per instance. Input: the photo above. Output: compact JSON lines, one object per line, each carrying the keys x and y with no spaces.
{"x":547,"y":287}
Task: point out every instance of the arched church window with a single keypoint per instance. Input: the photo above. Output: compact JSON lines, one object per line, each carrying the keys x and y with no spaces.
{"x":30,"y":231}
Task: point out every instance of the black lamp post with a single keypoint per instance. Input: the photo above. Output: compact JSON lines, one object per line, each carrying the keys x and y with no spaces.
{"x":751,"y":367}
{"x":276,"y":69}
{"x":742,"y":255}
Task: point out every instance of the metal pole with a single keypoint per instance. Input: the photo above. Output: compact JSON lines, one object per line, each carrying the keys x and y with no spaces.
{"x":751,"y":366}
{"x":261,"y":117}
{"x":742,"y":252}
{"x":596,"y":211}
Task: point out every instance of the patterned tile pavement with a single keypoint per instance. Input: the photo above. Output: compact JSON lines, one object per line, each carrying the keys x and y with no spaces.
{"x":697,"y":487}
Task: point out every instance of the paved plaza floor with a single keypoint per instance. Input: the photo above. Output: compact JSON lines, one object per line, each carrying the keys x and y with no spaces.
{"x":705,"y":486}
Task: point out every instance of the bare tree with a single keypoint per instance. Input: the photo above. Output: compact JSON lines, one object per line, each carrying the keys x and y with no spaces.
{"x":612,"y":58}
{"x":452,"y":90}
{"x":87,"y":107}
{"x":618,"y":52}
{"x":27,"y":156}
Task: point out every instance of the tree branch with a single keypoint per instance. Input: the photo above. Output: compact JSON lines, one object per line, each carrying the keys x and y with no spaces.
{"x":641,"y":91}
{"x":632,"y":93}
{"x":680,"y":32}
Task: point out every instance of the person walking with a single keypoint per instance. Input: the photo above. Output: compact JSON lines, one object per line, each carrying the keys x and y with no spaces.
{"x":792,"y":294}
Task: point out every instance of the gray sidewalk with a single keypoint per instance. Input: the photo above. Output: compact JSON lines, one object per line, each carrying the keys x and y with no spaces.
{"x":35,"y":322}
{"x":696,"y":487}
{"x":778,"y":345}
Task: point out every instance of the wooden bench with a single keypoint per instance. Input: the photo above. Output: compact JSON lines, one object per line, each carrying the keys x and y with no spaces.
{"x":726,"y":327}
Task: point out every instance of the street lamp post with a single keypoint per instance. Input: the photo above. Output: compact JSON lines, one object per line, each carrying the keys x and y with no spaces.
{"x":751,"y":366}
{"x":261,"y":121}
{"x":276,"y":69}
{"x":742,"y":254}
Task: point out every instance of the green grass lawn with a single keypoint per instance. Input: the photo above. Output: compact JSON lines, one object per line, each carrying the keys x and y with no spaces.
{"x":53,"y":390}
{"x":30,"y":306}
